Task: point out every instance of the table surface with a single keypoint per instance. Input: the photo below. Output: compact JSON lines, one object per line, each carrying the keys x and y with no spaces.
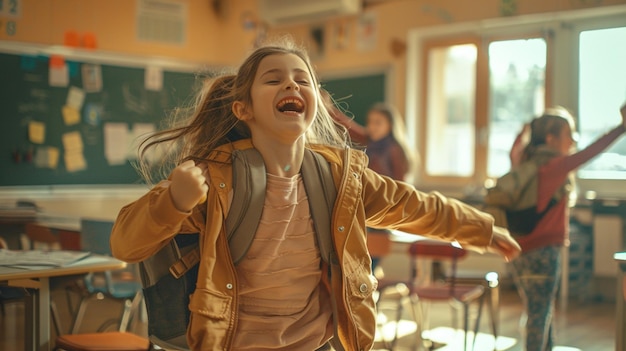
{"x":91,"y":263}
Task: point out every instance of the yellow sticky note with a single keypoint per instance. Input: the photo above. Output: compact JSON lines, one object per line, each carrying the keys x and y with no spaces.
{"x":72,"y":141}
{"x":70,"y":115}
{"x":53,"y":157}
{"x":46,"y":157}
{"x":36,"y":132}
{"x":75,"y":161}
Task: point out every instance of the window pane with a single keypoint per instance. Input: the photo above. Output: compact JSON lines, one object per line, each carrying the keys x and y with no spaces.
{"x":602,"y":91}
{"x":517,"y":70}
{"x":450,"y":110}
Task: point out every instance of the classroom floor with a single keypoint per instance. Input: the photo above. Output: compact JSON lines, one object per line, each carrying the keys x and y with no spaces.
{"x":582,"y":326}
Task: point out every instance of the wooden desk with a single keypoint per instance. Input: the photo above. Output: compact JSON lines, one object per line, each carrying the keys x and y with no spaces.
{"x":38,"y":333}
{"x":620,"y":316}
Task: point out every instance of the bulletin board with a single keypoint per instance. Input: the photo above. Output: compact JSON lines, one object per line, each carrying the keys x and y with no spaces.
{"x":82,"y":115}
{"x":357,"y":93}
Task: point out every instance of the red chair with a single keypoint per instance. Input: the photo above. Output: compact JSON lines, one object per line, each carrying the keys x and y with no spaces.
{"x":423,"y":290}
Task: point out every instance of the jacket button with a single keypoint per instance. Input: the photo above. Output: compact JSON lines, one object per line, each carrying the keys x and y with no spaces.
{"x":363,"y":288}
{"x":341,"y":228}
{"x":229,"y":286}
{"x":222,"y":185}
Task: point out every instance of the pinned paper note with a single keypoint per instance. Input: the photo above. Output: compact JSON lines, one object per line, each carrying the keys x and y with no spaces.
{"x":70,"y":115}
{"x":46,"y":157}
{"x":58,"y":73}
{"x":36,"y":132}
{"x":75,"y":98}
{"x":115,"y":143}
{"x":91,"y":114}
{"x":92,"y":78}
{"x":75,"y":160}
{"x":153,"y":79}
{"x":72,"y":141}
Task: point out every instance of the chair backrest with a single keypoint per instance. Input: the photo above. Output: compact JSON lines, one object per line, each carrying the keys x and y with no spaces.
{"x":436,"y":251}
{"x":94,"y":235}
{"x":41,"y":237}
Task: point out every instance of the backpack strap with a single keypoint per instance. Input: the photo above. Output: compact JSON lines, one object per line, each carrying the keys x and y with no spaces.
{"x":243,"y":218}
{"x":317,"y":175}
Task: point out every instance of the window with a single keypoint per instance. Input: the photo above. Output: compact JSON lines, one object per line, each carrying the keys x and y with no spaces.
{"x":602,"y":90}
{"x":517,"y":70}
{"x":451,"y":100}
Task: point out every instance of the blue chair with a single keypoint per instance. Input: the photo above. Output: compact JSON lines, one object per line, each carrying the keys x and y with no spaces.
{"x":122,"y":285}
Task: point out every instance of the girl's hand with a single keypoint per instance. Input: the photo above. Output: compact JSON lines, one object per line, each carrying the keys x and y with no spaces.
{"x":504,"y":244}
{"x":188,"y":186}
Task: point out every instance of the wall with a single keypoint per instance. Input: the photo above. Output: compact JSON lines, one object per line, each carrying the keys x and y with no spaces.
{"x":212,"y":38}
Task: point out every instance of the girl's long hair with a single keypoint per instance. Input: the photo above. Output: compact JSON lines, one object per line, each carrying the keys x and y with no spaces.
{"x":194,"y":132}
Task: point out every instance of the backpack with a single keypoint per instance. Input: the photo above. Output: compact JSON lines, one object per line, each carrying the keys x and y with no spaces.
{"x":169,"y":276}
{"x":513,"y":200}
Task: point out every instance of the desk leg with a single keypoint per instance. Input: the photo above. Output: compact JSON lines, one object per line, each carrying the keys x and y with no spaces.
{"x":30,"y":309}
{"x":620,"y":318}
{"x":42,"y":316}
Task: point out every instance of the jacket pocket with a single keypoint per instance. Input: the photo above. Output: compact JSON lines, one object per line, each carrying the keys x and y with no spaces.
{"x":210,"y":304}
{"x":362,"y":285}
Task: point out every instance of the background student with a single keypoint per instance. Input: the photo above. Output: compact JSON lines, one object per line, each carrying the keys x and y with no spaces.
{"x":281,"y":294}
{"x":384,"y":139}
{"x":550,"y":142}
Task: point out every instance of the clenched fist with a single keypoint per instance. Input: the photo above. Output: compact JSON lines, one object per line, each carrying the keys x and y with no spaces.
{"x":188,"y":186}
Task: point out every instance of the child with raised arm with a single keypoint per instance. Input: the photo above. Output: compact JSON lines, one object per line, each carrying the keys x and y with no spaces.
{"x":282,"y":294}
{"x":549,"y":141}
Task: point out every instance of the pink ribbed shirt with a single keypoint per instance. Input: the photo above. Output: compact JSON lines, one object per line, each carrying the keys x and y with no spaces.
{"x":282,"y":303}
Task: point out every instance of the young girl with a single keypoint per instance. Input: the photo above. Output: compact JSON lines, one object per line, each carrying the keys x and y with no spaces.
{"x":537,"y":270}
{"x":280,"y":295}
{"x":383,"y":137}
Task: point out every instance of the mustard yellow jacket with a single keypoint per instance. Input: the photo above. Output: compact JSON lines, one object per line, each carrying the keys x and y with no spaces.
{"x":364,"y":199}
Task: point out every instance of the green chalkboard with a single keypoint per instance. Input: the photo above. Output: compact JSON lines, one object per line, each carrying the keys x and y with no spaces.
{"x":357,"y":94}
{"x":27,"y":96}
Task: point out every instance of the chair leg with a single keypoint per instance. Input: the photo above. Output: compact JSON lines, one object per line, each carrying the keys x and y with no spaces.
{"x":494,"y":310}
{"x":420,"y":316}
{"x":465,"y":324}
{"x":56,"y":320}
{"x":131,"y":307}
{"x":399,"y":311}
{"x":477,"y":325}
{"x":80,"y":313}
